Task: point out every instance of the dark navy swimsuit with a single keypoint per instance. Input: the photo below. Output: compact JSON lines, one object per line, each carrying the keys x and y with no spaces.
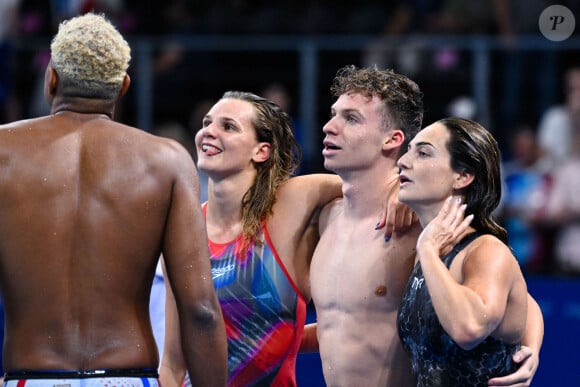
{"x":436,"y":359}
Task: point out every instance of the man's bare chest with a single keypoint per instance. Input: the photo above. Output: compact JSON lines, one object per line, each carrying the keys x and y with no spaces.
{"x":365,"y":272}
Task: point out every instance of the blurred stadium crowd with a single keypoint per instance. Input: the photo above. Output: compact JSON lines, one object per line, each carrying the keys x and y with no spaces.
{"x":534,"y":94}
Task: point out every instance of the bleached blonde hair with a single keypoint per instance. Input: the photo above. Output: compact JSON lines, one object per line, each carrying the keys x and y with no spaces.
{"x":88,"y":50}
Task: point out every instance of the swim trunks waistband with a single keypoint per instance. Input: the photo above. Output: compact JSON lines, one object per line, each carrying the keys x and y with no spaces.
{"x":64,"y":374}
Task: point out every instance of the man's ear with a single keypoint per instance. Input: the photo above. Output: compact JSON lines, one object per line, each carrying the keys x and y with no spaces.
{"x":394,"y":139}
{"x":125,"y":85}
{"x":52,"y":81}
{"x":262,"y":152}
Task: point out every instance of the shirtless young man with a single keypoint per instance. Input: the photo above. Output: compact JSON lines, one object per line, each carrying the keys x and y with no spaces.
{"x":357,"y":279}
{"x":86,"y":207}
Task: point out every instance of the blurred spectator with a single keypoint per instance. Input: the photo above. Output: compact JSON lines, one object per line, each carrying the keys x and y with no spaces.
{"x":563,"y":209}
{"x":526,"y":178}
{"x":557,"y":123}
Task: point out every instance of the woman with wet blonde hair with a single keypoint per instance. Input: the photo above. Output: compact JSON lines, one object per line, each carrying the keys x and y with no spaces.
{"x":262,"y":229}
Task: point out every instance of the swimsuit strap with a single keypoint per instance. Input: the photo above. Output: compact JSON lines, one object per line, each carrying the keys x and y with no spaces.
{"x":448,"y":258}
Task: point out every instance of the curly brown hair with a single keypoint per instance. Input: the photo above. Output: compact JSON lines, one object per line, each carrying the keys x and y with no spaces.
{"x":272,"y":125}
{"x":402,"y":98}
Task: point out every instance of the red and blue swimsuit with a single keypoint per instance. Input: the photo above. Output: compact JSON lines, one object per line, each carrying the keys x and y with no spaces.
{"x":263,"y":311}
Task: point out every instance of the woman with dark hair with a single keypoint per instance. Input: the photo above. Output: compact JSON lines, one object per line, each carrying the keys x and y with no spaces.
{"x":464,"y":311}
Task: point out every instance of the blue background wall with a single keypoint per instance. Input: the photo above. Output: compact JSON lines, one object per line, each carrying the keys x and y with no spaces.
{"x":559,"y":300}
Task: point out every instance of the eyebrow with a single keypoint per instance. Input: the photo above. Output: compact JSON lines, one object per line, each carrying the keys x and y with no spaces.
{"x":348,"y":111}
{"x":344,"y":112}
{"x":424,"y":143}
{"x":222,"y":120}
{"x":228,"y":119}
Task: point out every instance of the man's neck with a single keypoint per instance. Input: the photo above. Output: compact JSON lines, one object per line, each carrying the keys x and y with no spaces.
{"x":83,"y":106}
{"x":366,"y":193}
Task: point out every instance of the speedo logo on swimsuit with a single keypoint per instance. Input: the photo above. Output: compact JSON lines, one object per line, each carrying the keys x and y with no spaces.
{"x":221,"y":271}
